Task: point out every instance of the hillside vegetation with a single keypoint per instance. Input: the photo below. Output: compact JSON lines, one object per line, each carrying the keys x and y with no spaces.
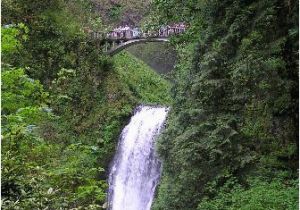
{"x":160,"y":56}
{"x":63,"y":107}
{"x":232,"y":136}
{"x":121,"y":12}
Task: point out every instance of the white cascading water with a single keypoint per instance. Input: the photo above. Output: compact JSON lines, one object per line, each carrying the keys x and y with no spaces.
{"x":136,"y":169}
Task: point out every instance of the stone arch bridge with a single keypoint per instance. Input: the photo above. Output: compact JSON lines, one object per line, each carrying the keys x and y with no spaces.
{"x":123,"y":37}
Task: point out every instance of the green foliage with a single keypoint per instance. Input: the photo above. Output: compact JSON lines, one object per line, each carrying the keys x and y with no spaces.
{"x":115,"y":12}
{"x":61,"y":22}
{"x":236,"y":105}
{"x":9,"y":41}
{"x":11,"y":37}
{"x":260,"y":195}
{"x":20,"y":91}
{"x":55,"y":30}
{"x":58,"y":157}
{"x":23,"y":150}
{"x":142,"y":81}
{"x":97,"y":24}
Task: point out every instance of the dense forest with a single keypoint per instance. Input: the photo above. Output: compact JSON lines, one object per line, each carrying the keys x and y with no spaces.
{"x":231,"y":137}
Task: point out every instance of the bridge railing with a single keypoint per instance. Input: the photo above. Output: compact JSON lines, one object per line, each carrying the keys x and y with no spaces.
{"x":129,"y":34}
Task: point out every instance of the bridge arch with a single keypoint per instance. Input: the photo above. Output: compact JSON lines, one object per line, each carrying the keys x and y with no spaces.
{"x":124,"y":45}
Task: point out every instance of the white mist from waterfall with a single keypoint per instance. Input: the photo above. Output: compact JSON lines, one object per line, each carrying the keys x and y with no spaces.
{"x":136,"y":169}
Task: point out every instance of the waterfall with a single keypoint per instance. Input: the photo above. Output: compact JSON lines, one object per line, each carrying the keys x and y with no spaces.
{"x":136,"y":169}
